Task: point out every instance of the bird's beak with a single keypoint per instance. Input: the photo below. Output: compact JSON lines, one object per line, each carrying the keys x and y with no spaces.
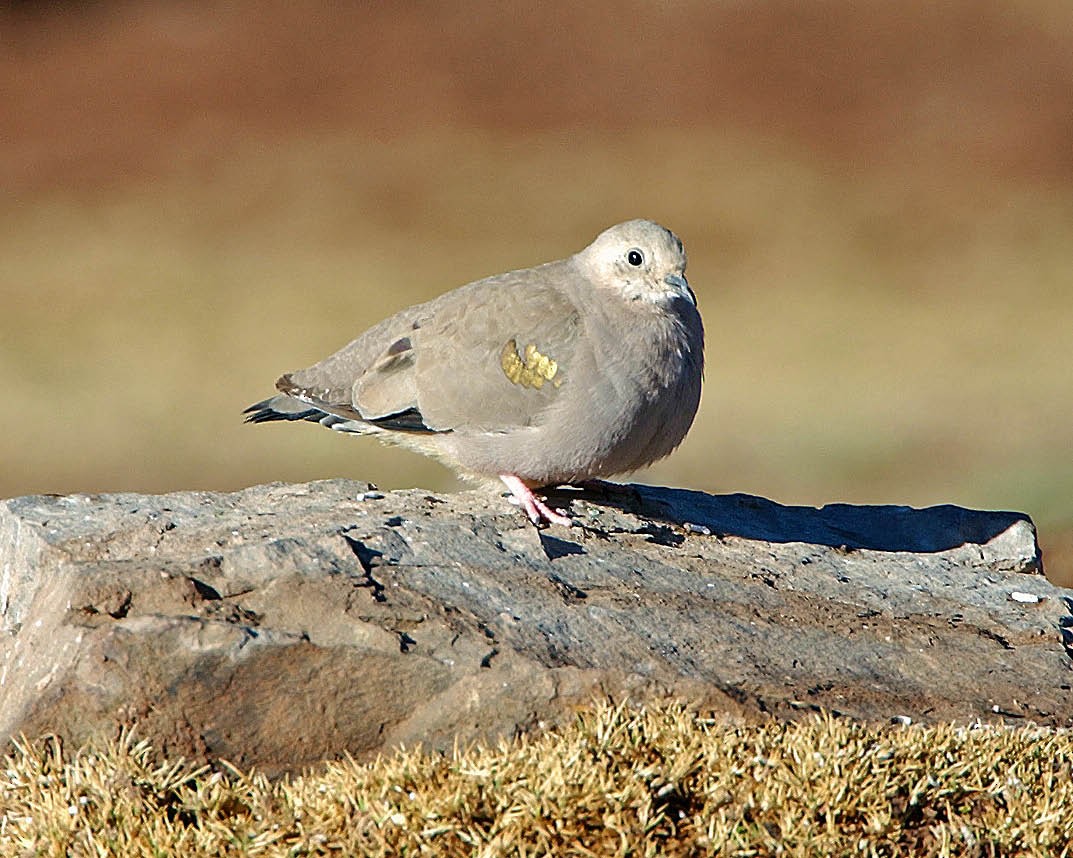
{"x":677,"y":281}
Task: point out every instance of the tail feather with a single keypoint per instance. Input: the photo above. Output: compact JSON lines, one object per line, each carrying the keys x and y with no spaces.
{"x":284,"y":407}
{"x":288,"y":408}
{"x":280,"y":408}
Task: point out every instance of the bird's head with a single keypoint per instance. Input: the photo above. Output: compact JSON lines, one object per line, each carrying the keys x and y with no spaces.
{"x":640,"y":260}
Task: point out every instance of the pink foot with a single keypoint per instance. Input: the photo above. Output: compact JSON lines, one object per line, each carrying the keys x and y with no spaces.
{"x":535,"y":508}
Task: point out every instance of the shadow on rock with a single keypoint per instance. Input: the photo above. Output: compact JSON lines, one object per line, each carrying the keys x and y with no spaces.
{"x":849,"y":526}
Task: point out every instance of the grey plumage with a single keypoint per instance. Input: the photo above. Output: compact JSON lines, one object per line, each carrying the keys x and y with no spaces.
{"x":576,"y":369}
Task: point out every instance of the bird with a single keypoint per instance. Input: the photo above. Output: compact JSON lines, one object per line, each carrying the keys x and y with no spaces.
{"x":564,"y":373}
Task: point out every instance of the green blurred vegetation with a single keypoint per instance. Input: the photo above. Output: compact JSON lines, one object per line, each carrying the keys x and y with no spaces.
{"x":893,"y":330}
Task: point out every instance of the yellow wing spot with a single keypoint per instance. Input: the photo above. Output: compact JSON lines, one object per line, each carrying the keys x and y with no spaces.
{"x":532,"y":370}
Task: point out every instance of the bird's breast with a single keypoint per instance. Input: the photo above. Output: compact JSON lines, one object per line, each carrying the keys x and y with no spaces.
{"x":649,"y":390}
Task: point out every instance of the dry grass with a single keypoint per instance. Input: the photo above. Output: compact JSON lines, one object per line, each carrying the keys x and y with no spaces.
{"x":655,"y":781}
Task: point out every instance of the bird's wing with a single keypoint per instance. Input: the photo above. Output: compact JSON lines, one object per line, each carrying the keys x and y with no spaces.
{"x":493,"y":354}
{"x":497,"y":357}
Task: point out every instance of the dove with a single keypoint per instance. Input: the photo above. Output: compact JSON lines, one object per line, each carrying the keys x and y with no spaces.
{"x":567,"y":372}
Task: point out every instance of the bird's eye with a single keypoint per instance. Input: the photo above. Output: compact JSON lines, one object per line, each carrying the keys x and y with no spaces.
{"x":635,"y":258}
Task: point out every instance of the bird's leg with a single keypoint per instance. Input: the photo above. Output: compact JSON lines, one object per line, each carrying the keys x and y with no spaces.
{"x":535,"y":508}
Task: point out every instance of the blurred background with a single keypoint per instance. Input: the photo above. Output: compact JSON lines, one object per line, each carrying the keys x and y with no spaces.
{"x":877,"y":201}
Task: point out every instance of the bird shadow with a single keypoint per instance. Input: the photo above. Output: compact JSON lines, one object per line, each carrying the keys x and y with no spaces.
{"x":839,"y":525}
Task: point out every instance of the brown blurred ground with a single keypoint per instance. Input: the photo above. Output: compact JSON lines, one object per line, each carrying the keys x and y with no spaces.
{"x":877,"y":199}
{"x":97,"y":92}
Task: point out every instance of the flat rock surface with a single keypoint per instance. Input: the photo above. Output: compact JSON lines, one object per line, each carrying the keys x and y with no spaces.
{"x":285,"y":624}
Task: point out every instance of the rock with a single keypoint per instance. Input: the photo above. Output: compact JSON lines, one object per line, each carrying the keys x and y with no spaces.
{"x":286,"y":624}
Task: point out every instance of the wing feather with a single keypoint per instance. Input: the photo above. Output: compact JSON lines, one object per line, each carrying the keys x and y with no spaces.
{"x":493,"y":354}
